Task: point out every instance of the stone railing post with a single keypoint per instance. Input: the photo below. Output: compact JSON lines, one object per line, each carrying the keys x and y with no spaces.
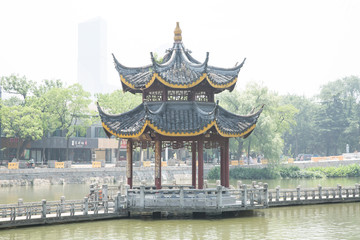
{"x":126,"y":195}
{"x":91,"y":188}
{"x":181,"y":196}
{"x":62,"y":204}
{"x":20,"y":209}
{"x":244,"y":197}
{"x":206,"y":185}
{"x":218,"y":183}
{"x":105,"y":197}
{"x":298,"y":193}
{"x":239,"y":184}
{"x":86,"y":206}
{"x":259,"y":193}
{"x":117,"y":202}
{"x":355,"y":189}
{"x":340,"y":190}
{"x":278,"y":193}
{"x":105,"y":192}
{"x":320,"y":191}
{"x":142,"y":196}
{"x":43,"y":208}
{"x":219,"y":196}
{"x":96,"y":195}
{"x":252,"y":196}
{"x":266,"y":195}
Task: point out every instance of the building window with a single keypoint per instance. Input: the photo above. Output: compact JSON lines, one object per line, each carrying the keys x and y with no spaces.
{"x":154,"y":96}
{"x":57,"y":133}
{"x":80,"y":133}
{"x":178,"y":95}
{"x":100,"y":133}
{"x":201,"y":97}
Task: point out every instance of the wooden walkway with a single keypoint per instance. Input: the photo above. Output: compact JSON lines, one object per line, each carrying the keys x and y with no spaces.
{"x":120,"y":202}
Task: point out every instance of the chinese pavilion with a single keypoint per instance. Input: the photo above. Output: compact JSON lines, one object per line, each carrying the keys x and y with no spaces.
{"x":178,"y":110}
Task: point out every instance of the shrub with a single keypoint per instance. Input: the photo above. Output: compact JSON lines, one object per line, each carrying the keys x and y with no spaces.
{"x":352,"y":170}
{"x":253,"y":173}
{"x":214,"y":173}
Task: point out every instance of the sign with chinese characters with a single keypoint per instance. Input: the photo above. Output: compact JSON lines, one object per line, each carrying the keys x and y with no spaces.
{"x":78,"y":143}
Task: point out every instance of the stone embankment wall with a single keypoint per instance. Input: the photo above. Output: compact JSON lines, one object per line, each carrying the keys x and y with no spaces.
{"x":308,"y":164}
{"x":108,"y":175}
{"x":111,"y":175}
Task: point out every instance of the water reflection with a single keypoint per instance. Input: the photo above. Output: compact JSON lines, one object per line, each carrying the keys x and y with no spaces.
{"x":336,"y":221}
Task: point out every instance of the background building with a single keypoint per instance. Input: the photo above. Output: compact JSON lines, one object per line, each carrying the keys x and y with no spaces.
{"x":92,"y":59}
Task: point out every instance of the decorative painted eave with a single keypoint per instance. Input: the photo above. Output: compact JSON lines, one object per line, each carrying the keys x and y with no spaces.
{"x":178,"y":119}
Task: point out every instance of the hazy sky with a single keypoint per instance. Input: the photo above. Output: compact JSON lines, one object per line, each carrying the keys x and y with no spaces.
{"x":290,"y":46}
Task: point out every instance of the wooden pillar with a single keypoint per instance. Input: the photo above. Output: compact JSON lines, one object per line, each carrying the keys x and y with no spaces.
{"x":158,"y":164}
{"x":226,"y":162}
{"x":200,"y":164}
{"x":222,"y":165}
{"x":129,"y":165}
{"x":193,"y":164}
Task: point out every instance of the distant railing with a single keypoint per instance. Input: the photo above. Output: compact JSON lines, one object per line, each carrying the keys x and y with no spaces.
{"x":320,"y":194}
{"x":89,"y":206}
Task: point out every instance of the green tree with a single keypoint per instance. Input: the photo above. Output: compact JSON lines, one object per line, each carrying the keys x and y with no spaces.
{"x":301,"y":137}
{"x":118,"y":102}
{"x":23,"y":123}
{"x":338,"y":118}
{"x":275,"y":119}
{"x":14,"y":84}
{"x":42,"y":101}
{"x":70,"y":107}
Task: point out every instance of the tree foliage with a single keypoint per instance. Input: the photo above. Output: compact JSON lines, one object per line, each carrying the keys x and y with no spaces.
{"x":22,"y":122}
{"x":17,"y":85}
{"x":275,"y":119}
{"x":118,"y":102}
{"x":328,"y":122}
{"x":35,"y":111}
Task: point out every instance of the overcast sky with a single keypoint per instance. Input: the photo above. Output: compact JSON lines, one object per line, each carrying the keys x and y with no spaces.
{"x":290,"y":46}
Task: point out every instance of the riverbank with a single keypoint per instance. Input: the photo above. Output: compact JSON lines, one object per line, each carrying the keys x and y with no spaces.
{"x":84,"y":174}
{"x":81,"y":175}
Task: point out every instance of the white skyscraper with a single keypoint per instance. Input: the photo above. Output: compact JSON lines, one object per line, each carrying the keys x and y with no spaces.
{"x":92,"y":55}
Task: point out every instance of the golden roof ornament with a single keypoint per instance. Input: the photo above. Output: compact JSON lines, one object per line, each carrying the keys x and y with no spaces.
{"x":177,"y":32}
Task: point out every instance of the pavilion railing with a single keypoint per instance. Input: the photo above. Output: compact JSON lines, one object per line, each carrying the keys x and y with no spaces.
{"x":200,"y":199}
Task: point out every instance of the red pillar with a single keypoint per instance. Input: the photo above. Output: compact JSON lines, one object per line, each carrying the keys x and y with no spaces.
{"x":226,"y":154}
{"x":200,"y":164}
{"x":158,"y":164}
{"x":193,"y":164}
{"x":129,"y":163}
{"x":222,"y":165}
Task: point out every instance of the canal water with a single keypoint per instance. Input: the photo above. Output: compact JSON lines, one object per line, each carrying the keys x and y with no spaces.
{"x":328,"y":221}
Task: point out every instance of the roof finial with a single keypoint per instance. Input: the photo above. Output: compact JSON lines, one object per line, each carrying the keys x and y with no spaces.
{"x":177,"y":32}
